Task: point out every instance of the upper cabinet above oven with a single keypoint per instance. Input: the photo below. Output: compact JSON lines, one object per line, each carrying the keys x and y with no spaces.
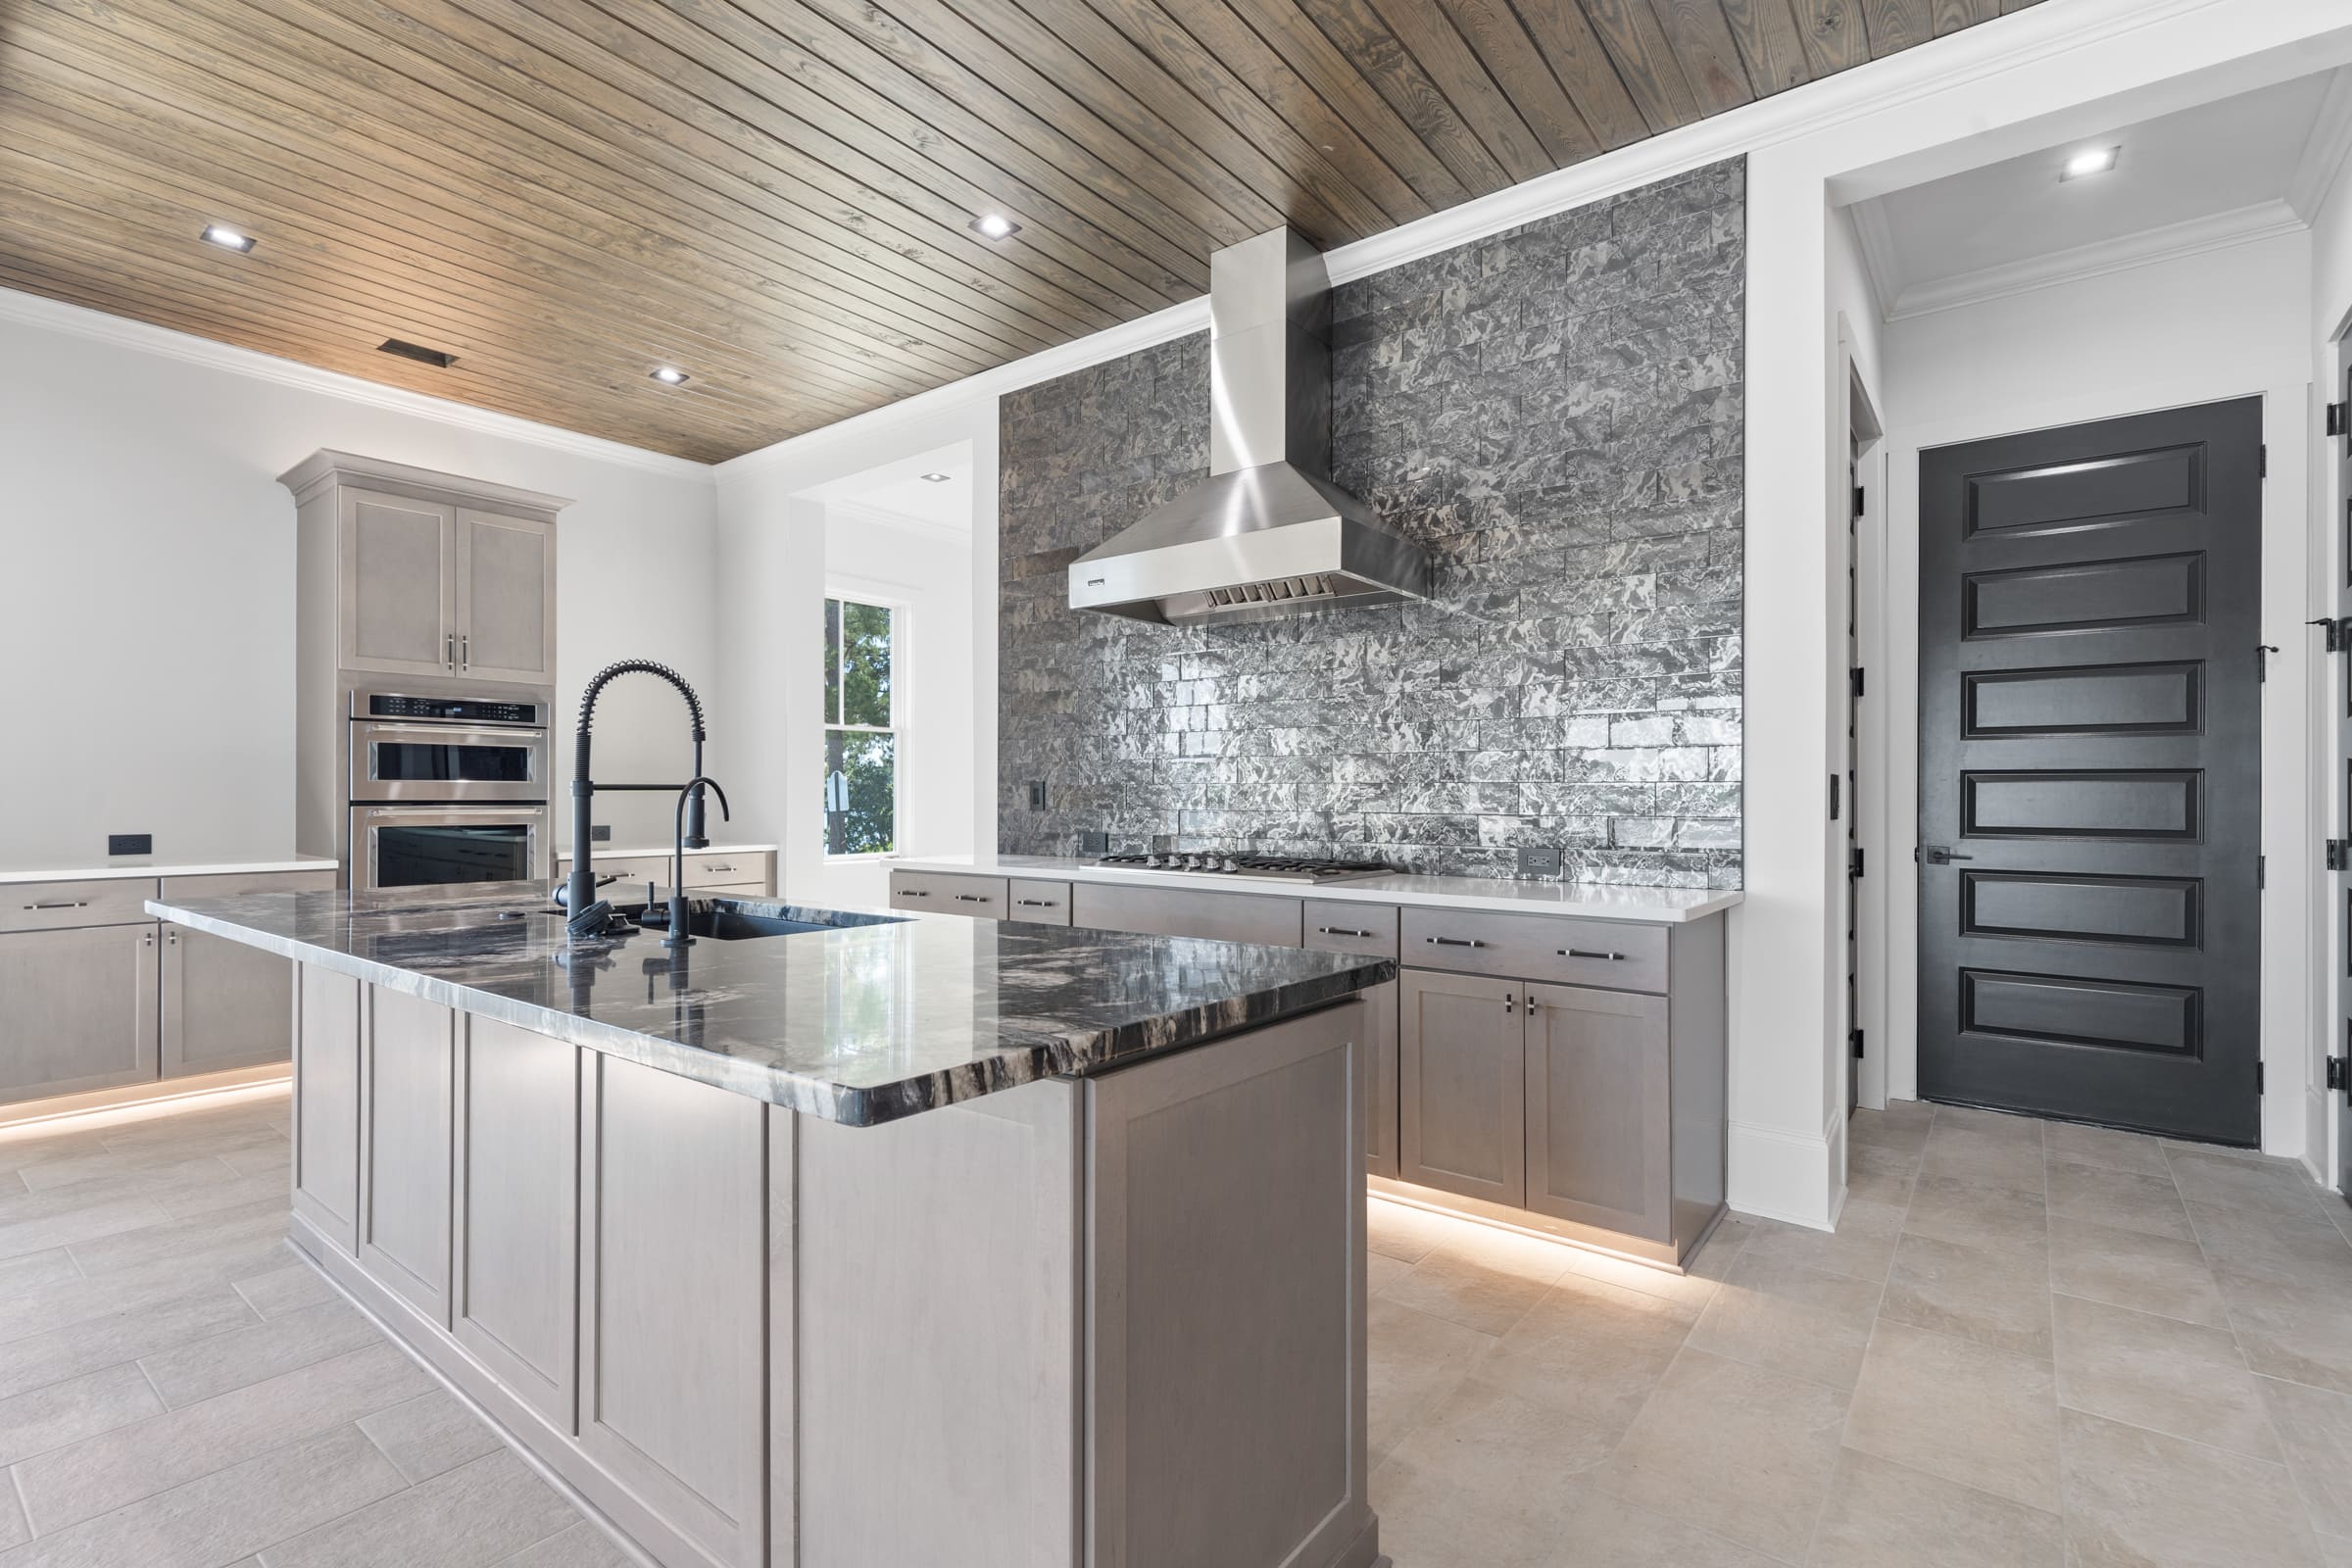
{"x":425,"y":573}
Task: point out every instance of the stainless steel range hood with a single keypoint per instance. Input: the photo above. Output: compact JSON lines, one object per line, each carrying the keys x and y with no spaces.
{"x":1267,"y":532}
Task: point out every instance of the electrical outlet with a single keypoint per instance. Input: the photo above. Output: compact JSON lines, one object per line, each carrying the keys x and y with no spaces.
{"x":130,"y":844}
{"x":1037,"y":795}
{"x":1539,"y":863}
{"x":600,"y":833}
{"x":1093,"y":843}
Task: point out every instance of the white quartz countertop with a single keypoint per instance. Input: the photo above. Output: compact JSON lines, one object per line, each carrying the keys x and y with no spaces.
{"x":147,"y":865}
{"x":1591,"y":900}
{"x":599,"y":851}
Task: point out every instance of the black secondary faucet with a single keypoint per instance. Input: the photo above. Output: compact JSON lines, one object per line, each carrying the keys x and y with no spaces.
{"x":689,"y":792}
{"x":588,"y":914}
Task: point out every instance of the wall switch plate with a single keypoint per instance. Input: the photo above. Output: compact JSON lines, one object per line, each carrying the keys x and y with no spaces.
{"x":130,"y":844}
{"x":600,"y":833}
{"x":1539,"y":863}
{"x":1037,"y":795}
{"x":1093,"y":843}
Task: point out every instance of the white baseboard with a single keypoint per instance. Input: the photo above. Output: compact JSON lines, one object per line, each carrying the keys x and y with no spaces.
{"x":1786,"y":1176}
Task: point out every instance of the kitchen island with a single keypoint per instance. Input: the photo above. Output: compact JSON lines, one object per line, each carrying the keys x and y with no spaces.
{"x":885,"y":1241}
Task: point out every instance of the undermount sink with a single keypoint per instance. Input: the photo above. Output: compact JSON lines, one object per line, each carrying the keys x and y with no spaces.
{"x":725,"y":921}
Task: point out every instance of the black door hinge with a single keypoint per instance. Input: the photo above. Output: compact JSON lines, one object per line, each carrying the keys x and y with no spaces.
{"x":1857,"y":501}
{"x":1853,"y":865}
{"x":2258,"y":1077}
{"x":2336,"y":419}
{"x":2262,"y":872}
{"x":1860,"y":684}
{"x":2333,"y":629}
{"x":1832,"y":797}
{"x":1854,"y":1038}
{"x":2262,"y":461}
{"x":2339,"y":855}
{"x":2335,"y":1072}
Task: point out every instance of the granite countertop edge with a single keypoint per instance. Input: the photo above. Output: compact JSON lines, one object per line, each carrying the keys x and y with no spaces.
{"x":125,"y":870}
{"x":1072,"y":1053}
{"x":1628,"y":903}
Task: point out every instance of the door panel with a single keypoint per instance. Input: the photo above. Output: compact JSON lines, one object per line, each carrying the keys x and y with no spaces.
{"x":225,"y":1005}
{"x":505,"y":597}
{"x":406,"y":1120}
{"x":327,"y":1103}
{"x":2089,"y":766}
{"x":77,"y":1010}
{"x":398,"y":610}
{"x":1598,"y":1109}
{"x":1461,"y":1086}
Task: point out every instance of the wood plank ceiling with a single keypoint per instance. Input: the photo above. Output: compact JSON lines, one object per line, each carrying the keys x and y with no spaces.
{"x":775,"y":195}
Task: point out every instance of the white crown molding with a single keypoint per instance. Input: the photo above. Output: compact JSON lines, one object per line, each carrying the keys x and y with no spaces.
{"x":1947,"y":64}
{"x":1880,"y":258}
{"x":855,"y":512}
{"x":2239,"y":225}
{"x":122,"y":331}
{"x":2323,"y":148}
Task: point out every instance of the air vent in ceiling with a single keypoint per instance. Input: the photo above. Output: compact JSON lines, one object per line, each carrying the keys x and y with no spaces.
{"x":418,"y":352}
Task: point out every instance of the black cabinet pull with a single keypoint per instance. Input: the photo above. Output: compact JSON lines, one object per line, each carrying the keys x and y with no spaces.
{"x":1580,"y":953}
{"x":1034,"y":904}
{"x":913,"y":892}
{"x":1341,"y":931}
{"x":972,"y":898}
{"x":1456,"y":941}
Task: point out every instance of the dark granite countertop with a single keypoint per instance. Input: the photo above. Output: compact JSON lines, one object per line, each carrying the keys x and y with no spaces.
{"x":881,"y":1017}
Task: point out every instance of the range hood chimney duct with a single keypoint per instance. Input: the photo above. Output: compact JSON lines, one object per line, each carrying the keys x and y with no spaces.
{"x":1268,"y":532}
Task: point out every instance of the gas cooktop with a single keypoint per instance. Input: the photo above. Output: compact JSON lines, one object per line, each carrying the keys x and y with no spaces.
{"x":1258,"y":867}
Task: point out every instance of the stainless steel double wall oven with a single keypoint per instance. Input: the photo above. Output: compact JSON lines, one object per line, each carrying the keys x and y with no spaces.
{"x":447,"y":789}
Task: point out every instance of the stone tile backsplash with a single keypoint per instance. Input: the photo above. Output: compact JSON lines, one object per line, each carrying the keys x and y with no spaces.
{"x":1555,"y":414}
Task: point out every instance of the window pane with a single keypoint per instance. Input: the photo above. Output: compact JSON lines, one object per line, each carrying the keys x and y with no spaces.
{"x":868,"y":767}
{"x":832,"y":661}
{"x":866,"y":666}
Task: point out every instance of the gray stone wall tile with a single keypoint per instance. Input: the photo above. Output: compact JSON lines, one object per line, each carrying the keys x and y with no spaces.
{"x":1557,"y":415}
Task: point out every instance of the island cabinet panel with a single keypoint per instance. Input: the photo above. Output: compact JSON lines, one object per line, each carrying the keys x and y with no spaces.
{"x":1368,"y":928}
{"x":936,"y":1271}
{"x":1226,"y":1302}
{"x":1461,"y":1086}
{"x":515,"y":1303}
{"x":1276,"y":922}
{"x":407,"y":1112}
{"x":1598,"y":1112}
{"x":80,"y":1009}
{"x":673,"y":1309}
{"x":327,"y":1103}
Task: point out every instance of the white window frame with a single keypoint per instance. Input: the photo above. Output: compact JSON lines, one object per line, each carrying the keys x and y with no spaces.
{"x":876,"y":596}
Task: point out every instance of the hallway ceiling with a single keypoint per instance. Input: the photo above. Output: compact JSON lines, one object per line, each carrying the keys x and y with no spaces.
{"x":775,"y":196}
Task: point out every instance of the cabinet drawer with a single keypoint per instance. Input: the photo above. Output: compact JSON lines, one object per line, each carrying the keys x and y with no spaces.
{"x":717,"y":870}
{"x":1041,"y":903}
{"x":1536,"y":947}
{"x":1335,"y":927}
{"x":982,"y":897}
{"x":231,"y":884}
{"x":54,"y":906}
{"x":1183,"y":912}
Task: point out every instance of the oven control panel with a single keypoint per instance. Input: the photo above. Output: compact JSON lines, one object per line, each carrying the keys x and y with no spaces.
{"x":466,"y":710}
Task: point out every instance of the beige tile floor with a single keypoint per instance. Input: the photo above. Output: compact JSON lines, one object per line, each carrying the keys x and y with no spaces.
{"x":2026,"y":1344}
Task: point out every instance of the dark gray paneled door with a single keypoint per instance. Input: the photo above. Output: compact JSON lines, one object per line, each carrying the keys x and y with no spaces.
{"x":2090,"y":772}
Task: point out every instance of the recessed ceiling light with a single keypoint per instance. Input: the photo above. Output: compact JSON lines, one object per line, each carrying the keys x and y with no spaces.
{"x":939,"y":478}
{"x":668,"y":375}
{"x":228,"y":239}
{"x":996,"y":225}
{"x":2097,"y":161}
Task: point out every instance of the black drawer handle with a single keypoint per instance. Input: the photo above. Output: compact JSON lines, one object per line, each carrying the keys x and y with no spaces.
{"x":77,"y":904}
{"x":1033,"y":903}
{"x":972,"y":898}
{"x":1456,"y":941}
{"x":709,"y":869}
{"x":1341,"y":931}
{"x":1580,"y":953}
{"x":913,"y":892}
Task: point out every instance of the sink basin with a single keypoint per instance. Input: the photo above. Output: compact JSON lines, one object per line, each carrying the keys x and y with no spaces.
{"x":724,"y":920}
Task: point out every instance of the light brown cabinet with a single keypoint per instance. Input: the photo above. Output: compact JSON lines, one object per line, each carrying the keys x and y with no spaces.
{"x":1598,"y":1109}
{"x":80,"y":1009}
{"x":223,"y":1004}
{"x":1461,"y":1086}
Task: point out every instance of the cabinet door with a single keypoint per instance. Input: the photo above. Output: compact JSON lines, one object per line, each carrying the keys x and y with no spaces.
{"x":327,"y":1103}
{"x":398,"y":570}
{"x":406,"y":1120}
{"x":506,"y":589}
{"x":1380,"y":1072}
{"x":1461,"y":1082}
{"x":77,"y":1010}
{"x":225,"y":1005}
{"x":1598,"y":1114}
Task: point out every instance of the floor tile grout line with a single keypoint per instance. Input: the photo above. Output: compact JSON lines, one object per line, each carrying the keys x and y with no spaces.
{"x":16,"y":1485}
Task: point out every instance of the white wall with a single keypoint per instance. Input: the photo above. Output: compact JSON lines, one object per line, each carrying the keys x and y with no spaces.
{"x":2331,"y":693}
{"x":149,"y":583}
{"x":772,"y":565}
{"x":2194,"y":330}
